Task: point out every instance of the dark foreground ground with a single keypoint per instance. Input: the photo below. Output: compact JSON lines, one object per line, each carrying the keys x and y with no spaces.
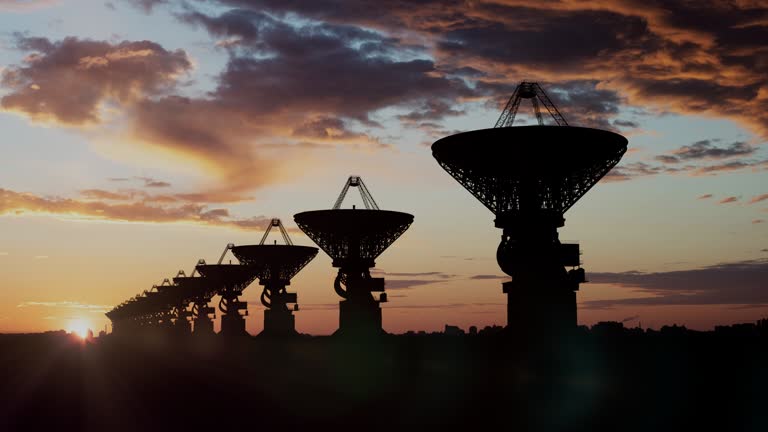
{"x":594,"y":382}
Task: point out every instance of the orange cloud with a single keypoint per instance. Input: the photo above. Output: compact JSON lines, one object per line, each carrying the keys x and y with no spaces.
{"x":12,"y":202}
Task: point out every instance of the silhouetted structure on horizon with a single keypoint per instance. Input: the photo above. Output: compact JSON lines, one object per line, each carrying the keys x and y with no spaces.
{"x":275,"y":265}
{"x":174,"y":299}
{"x":165,"y":308}
{"x":199,"y":291}
{"x":150,"y":310}
{"x":529,"y":176}
{"x":229,"y":281}
{"x":353,"y":238}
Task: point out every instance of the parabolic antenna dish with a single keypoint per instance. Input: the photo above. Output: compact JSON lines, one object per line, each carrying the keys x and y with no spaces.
{"x":280,"y":262}
{"x":228,"y":275}
{"x":357,"y":233}
{"x":559,"y":163}
{"x":192,"y":286}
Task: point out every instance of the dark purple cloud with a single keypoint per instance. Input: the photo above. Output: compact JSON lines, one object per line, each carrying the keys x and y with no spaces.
{"x":488,"y":277}
{"x":685,"y":57}
{"x":628,"y":171}
{"x":705,"y":149}
{"x":401,"y":284}
{"x":153,"y":183}
{"x":68,"y":80}
{"x":734,"y":283}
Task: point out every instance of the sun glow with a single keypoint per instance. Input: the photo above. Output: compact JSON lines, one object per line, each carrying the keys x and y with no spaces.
{"x":78,"y":327}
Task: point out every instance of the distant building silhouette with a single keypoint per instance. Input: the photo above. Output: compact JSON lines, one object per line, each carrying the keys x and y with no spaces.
{"x":451,"y":330}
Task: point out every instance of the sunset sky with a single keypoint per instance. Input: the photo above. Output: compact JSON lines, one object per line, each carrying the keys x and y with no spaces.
{"x":137,"y":136}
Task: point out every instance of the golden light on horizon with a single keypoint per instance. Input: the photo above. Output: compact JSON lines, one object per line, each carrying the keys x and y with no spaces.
{"x":78,"y":327}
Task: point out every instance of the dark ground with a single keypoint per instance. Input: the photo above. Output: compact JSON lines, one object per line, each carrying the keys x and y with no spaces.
{"x":624,"y":380}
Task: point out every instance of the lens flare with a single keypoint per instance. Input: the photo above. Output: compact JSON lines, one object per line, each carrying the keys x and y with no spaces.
{"x":79,"y":328}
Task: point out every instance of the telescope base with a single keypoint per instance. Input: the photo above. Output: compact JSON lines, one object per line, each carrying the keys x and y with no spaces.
{"x":278,"y":323}
{"x":359,"y":319}
{"x":233,"y":325}
{"x":203,"y":327}
{"x":535,"y":311}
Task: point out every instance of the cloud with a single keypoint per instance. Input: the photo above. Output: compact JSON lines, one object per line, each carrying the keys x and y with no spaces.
{"x":100,"y":194}
{"x":402,"y":284}
{"x":758,"y":198}
{"x":704,"y":149}
{"x":728,"y":200}
{"x":245,"y":127}
{"x":626,"y":123}
{"x":667,"y":159}
{"x":293,"y":61}
{"x":147,"y":5}
{"x":731,"y":166}
{"x":14,"y":203}
{"x":465,"y":258}
{"x":705,"y":196}
{"x":69,"y":81}
{"x":129,"y":195}
{"x":126,"y":91}
{"x":424,"y":60}
{"x":734,"y":283}
{"x":436,"y":274}
{"x":414,"y":279}
{"x":65,"y":305}
{"x":23,"y":5}
{"x":584,"y":104}
{"x":331,"y":130}
{"x":487,"y":277}
{"x":153,"y":183}
{"x":632,"y":170}
{"x":628,"y":171}
{"x":430,"y":110}
{"x":682,"y":57}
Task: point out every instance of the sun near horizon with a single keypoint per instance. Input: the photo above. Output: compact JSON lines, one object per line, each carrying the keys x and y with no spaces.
{"x":78,"y":327}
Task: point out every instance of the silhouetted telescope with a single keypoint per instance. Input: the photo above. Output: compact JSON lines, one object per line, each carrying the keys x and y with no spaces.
{"x":163,"y":307}
{"x":529,"y":176}
{"x":275,"y":265}
{"x":199,"y":290}
{"x":165,"y":298}
{"x":121,"y":317}
{"x":353,"y":238}
{"x":229,"y":281}
{"x":142,"y":313}
{"x":186,"y":289}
